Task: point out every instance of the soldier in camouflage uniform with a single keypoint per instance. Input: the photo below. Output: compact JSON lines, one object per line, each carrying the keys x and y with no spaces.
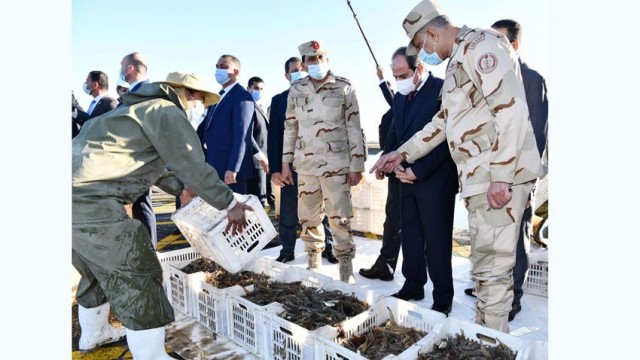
{"x":485,"y":120}
{"x":116,"y":157}
{"x":324,"y":141}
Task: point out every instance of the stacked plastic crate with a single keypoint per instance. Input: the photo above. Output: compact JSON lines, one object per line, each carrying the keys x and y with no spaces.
{"x":368,"y":200}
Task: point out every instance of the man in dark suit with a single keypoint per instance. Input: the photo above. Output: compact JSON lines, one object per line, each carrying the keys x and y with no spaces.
{"x":133,"y":70}
{"x":288,"y":221}
{"x":258,"y":185}
{"x":96,"y":85}
{"x":535,"y":89}
{"x":427,"y":190}
{"x":385,"y":265}
{"x":226,"y":131}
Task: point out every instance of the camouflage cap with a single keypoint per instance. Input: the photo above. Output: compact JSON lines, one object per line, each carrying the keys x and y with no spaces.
{"x":312,"y":48}
{"x":418,"y":17}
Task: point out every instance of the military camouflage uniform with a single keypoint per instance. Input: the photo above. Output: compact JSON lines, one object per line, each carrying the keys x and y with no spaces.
{"x":325,"y":142}
{"x":484,"y":119}
{"x":116,"y":157}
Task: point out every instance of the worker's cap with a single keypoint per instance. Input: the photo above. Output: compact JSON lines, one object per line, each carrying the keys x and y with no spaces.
{"x":191,"y":81}
{"x":418,"y":17}
{"x":312,"y":48}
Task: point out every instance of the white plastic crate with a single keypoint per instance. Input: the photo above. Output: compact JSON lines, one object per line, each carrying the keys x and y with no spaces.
{"x":246,"y":318}
{"x":181,"y":291}
{"x":376,"y":221}
{"x":211,"y":306}
{"x":360,"y":220}
{"x":203,"y":226}
{"x":286,"y":340}
{"x":536,"y":350}
{"x":538,"y":277}
{"x":360,"y":196}
{"x":378,"y":194}
{"x":404,"y":313}
{"x":472,"y":331}
{"x":179,"y":259}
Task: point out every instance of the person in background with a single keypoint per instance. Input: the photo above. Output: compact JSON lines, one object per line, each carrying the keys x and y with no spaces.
{"x":226,"y":132}
{"x":385,"y":265}
{"x":288,"y":221}
{"x":114,"y":161}
{"x":535,"y":89}
{"x":258,"y":185}
{"x":97,"y":85}
{"x":485,"y":122}
{"x":325,"y":142}
{"x":133,"y":70}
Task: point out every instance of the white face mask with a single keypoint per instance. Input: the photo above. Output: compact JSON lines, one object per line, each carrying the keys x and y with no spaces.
{"x":405,"y":86}
{"x":318,"y":71}
{"x":196,"y":114}
{"x":298,"y":75}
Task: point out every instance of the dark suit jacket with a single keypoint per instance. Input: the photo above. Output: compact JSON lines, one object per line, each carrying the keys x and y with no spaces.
{"x":227,"y":132}
{"x":386,"y":92}
{"x":105,"y":104}
{"x":435,"y":172}
{"x":259,"y":136}
{"x":535,"y":89}
{"x":276,"y":131}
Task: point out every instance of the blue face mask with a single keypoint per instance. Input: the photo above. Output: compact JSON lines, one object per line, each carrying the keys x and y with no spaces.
{"x":295,"y":76}
{"x":256,"y":94}
{"x":430,"y":59}
{"x":222,"y":76}
{"x":122,"y":76}
{"x":86,"y":89}
{"x":318,"y":71}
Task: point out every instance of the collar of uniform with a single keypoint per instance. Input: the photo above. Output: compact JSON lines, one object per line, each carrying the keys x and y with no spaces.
{"x":330,"y":79}
{"x":462,"y":34}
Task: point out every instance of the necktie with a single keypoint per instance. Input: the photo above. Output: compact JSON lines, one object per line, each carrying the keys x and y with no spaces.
{"x":91,"y":106}
{"x":221,"y":92}
{"x":412,"y":95}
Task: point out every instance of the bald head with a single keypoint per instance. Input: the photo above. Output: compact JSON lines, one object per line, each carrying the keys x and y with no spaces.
{"x":134,"y":67}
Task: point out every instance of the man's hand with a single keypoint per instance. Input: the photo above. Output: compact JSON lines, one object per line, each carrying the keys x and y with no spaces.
{"x":387,"y":162}
{"x":499,"y":195}
{"x":237,"y":220}
{"x":229,"y":177}
{"x":286,"y":176}
{"x":265,"y":166}
{"x":186,"y":196}
{"x":405,"y":175}
{"x":379,"y":73}
{"x":276,"y":177}
{"x":353,"y":178}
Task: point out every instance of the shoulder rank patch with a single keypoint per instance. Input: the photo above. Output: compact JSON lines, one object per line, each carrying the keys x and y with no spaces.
{"x":487,"y":63}
{"x":343,"y":79}
{"x":476,"y":41}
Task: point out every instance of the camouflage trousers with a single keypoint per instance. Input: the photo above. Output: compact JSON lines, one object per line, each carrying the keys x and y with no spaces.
{"x":494,"y":237}
{"x":332,"y":194}
{"x":118,"y":264}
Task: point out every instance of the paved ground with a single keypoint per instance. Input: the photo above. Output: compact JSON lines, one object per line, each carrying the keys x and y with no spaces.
{"x":186,"y":337}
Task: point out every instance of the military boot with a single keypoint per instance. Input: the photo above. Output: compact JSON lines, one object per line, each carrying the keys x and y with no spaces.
{"x":315,"y":258}
{"x":346,"y":271}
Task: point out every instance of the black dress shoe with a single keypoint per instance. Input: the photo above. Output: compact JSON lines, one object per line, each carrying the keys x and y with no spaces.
{"x":285,"y":258}
{"x":406,"y":295}
{"x":515,"y":308}
{"x":379,"y":270}
{"x":469,"y":292}
{"x":328,"y":254}
{"x":441,"y":308}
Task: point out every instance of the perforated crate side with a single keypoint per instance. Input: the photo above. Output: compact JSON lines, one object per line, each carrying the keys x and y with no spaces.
{"x":360,"y":219}
{"x":245,"y":320}
{"x":212,"y":308}
{"x":404,"y":314}
{"x":378,"y":195}
{"x":538,"y":277}
{"x":360,"y":197}
{"x":180,"y":291}
{"x":376,"y":221}
{"x":284,"y":340}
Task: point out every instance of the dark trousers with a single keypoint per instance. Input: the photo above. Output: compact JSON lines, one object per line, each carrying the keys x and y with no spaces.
{"x":522,"y":260}
{"x":258,"y":186}
{"x":391,"y":235}
{"x":270,"y":197}
{"x":427,"y":224}
{"x":240,"y":186}
{"x":288,"y":222}
{"x":142,"y":210}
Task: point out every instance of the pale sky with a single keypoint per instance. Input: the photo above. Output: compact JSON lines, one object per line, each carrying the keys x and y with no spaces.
{"x":264,"y":34}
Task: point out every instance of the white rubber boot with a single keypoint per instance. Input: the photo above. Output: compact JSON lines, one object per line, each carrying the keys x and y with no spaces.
{"x":147,"y":344}
{"x":95,"y":328}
